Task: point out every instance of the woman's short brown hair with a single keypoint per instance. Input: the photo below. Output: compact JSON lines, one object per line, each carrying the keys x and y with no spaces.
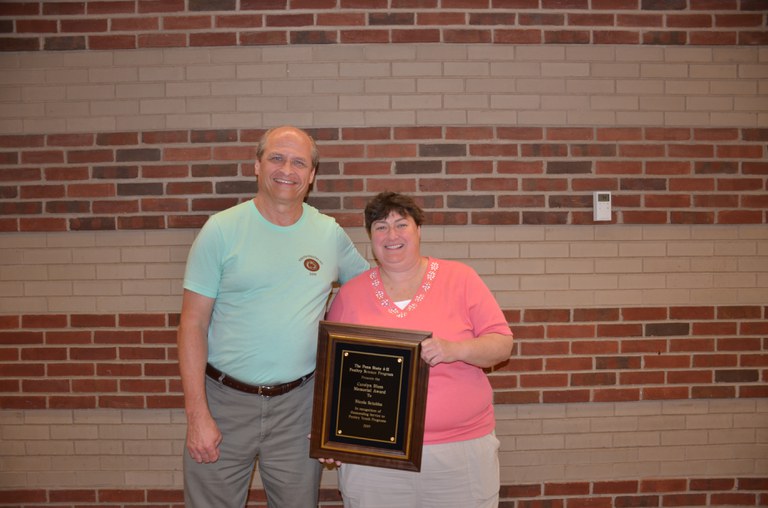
{"x":384,"y":203}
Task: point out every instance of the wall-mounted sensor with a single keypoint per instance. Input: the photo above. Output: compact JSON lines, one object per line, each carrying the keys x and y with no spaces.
{"x":601,"y":206}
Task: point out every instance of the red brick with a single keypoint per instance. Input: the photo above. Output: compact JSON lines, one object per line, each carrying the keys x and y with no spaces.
{"x":665,"y":393}
{"x":112,"y":42}
{"x":162,"y":40}
{"x":111,"y":7}
{"x":366,"y":133}
{"x":70,"y":369}
{"x":616,"y":395}
{"x":21,"y":402}
{"x":141,"y":386}
{"x":615,"y":37}
{"x":212,"y":39}
{"x":565,"y":397}
{"x":145,"y":6}
{"x":364,"y":36}
{"x":341,"y":19}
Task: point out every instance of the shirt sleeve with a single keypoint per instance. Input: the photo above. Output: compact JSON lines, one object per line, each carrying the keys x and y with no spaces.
{"x":485,"y":314}
{"x":203,"y":272}
{"x":351,"y":263}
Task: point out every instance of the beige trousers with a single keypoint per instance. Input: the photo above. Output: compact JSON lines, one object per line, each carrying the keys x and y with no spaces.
{"x":464,"y":474}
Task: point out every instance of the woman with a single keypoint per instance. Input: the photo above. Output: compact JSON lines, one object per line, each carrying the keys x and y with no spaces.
{"x":460,"y":466}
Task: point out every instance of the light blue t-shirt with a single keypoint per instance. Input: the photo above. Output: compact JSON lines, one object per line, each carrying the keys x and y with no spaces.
{"x":271,"y":284}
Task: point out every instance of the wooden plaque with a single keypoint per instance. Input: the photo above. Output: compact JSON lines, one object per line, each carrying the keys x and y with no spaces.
{"x":370,"y":396}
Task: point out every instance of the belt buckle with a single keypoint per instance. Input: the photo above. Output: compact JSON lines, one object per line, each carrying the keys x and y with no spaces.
{"x":259,"y":392}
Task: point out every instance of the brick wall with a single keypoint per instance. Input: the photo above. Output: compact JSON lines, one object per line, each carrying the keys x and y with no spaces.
{"x":125,"y":25}
{"x":639,"y":371}
{"x":543,"y":448}
{"x":462,"y":175}
{"x":562,"y":355}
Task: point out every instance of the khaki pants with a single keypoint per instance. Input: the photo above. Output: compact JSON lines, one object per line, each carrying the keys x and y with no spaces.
{"x":272,"y":430}
{"x":464,"y":474}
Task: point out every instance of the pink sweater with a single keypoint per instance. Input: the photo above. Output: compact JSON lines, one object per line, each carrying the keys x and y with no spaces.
{"x":454,"y":304}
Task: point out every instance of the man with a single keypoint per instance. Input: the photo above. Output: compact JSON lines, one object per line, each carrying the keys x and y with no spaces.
{"x":256,"y":285}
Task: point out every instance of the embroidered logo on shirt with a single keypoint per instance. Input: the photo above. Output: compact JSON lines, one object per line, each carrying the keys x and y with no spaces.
{"x":311,"y":264}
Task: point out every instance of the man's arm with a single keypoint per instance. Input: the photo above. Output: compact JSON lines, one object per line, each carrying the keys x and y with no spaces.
{"x":203,"y":435}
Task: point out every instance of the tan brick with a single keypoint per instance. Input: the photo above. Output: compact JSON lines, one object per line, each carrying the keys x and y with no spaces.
{"x":541,"y":86}
{"x":641,"y":87}
{"x":99,"y":447}
{"x":116,"y":304}
{"x":502,"y":283}
{"x":190,"y":121}
{"x":74,"y":432}
{"x":413,"y":69}
{"x":211,"y":105}
{"x":690,"y":281}
{"x":593,"y":54}
{"x":343,"y":53}
{"x":394,"y":52}
{"x":521,"y":266}
{"x":381,"y":85}
{"x":31,"y":464}
{"x":518,"y":69}
{"x":753,"y":71}
{"x":328,"y":70}
{"x":461,"y":234}
{"x":565,"y":102}
{"x":592,"y":118}
{"x":26,"y":432}
{"x":666,"y":265}
{"x":170,"y":271}
{"x":447,"y":117}
{"x":623,"y":297}
{"x":125,"y":431}
{"x":415,"y":102}
{"x":351,"y":119}
{"x":667,"y":104}
{"x":364,"y":102}
{"x":52,"y":448}
{"x":540,"y":53}
{"x":473,"y":69}
{"x":536,"y":118}
{"x":149,"y":478}
{"x":449,"y":251}
{"x":595,"y":282}
{"x":483,"y":266}
{"x":58,"y":478}
{"x":643,"y":249}
{"x":619,"y":266}
{"x":570,"y":266}
{"x":636,"y":439}
{"x":594,"y":249}
{"x":542,"y":251}
{"x":587,"y":86}
{"x":496,"y":251}
{"x":544,"y":282}
{"x":147,"y":448}
{"x":91,"y":92}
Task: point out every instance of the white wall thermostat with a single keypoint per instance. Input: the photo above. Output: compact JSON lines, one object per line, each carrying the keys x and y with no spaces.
{"x":601,"y":206}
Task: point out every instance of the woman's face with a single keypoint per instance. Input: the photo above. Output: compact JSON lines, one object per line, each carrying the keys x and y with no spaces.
{"x":396,"y":240}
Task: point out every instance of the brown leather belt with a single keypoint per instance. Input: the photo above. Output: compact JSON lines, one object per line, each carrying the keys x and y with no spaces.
{"x":266,"y":391}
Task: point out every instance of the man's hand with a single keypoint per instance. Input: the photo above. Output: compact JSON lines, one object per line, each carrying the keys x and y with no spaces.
{"x":203,"y":439}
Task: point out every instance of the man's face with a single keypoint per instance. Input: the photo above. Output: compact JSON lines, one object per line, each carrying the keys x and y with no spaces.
{"x":285,"y":170}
